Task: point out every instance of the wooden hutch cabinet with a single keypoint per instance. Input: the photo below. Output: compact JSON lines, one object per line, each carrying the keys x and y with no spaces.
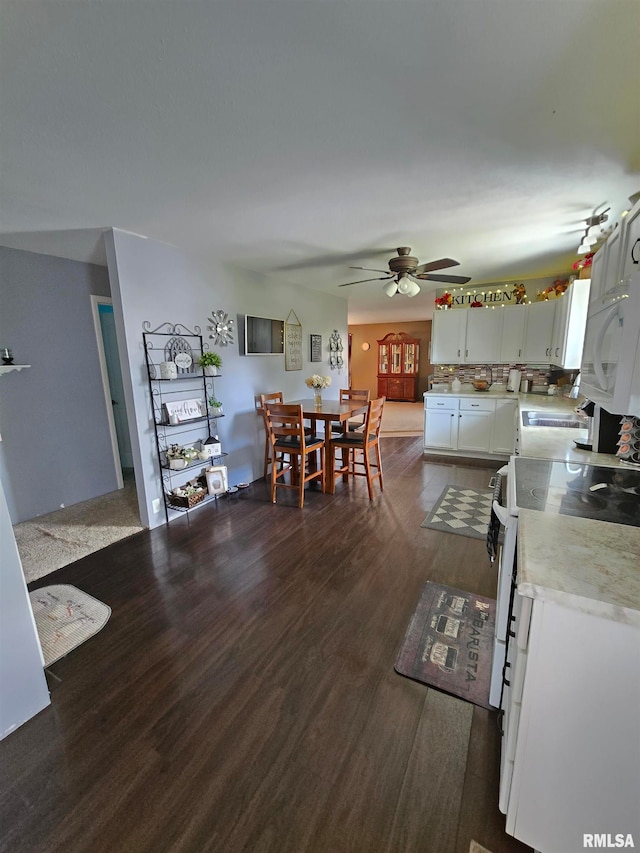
{"x":398,"y":360}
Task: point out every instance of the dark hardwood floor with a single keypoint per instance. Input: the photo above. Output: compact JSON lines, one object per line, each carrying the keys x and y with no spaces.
{"x":242,"y":696}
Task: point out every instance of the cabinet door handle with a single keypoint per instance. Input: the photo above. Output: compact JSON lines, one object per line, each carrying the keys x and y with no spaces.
{"x":557,"y":351}
{"x":519,"y":353}
{"x":466,"y":353}
{"x":475,"y":405}
{"x":458,"y":353}
{"x":633,"y":252}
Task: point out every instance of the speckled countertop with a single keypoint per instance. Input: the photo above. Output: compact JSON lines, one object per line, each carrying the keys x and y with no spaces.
{"x":544,"y":442}
{"x":592,"y":566}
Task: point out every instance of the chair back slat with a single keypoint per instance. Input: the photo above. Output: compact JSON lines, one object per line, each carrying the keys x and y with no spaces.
{"x":285,"y":421}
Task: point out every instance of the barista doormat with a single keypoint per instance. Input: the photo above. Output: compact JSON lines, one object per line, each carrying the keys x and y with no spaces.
{"x":449,"y":643}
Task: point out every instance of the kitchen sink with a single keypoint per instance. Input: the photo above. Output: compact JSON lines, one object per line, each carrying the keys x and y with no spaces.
{"x":544,"y":419}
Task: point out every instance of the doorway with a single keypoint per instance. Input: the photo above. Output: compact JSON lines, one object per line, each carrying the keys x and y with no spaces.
{"x":104,"y":322}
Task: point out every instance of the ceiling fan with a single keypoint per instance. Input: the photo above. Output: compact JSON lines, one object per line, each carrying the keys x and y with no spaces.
{"x":405,"y":270}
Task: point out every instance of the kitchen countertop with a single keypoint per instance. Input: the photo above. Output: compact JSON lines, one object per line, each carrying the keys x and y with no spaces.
{"x":592,"y":566}
{"x":544,"y":442}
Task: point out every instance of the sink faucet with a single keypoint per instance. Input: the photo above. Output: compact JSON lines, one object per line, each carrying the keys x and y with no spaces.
{"x":489,"y":368}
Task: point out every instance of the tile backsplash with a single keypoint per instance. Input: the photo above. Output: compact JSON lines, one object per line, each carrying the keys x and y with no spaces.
{"x":537,"y":376}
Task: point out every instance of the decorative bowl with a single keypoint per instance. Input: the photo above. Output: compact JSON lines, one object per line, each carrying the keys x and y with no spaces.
{"x":480,"y":384}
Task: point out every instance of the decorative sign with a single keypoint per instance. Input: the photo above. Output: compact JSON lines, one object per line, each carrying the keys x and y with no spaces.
{"x":316,"y":347}
{"x":292,"y":343}
{"x":180,"y":411}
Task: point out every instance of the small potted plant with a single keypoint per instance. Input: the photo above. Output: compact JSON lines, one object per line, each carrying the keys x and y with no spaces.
{"x":215,"y":406}
{"x":179,"y":457}
{"x":210,"y":362}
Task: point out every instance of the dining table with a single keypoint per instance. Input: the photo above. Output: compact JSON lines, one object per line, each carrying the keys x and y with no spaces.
{"x":328,"y":412}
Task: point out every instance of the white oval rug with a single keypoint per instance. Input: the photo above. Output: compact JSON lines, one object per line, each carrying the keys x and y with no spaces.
{"x":65,"y":617}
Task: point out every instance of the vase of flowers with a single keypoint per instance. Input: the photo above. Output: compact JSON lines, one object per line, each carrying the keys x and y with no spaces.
{"x":318,"y":383}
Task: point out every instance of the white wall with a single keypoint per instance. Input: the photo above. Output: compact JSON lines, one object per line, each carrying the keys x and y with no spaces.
{"x":159,"y":283}
{"x":23,"y":686}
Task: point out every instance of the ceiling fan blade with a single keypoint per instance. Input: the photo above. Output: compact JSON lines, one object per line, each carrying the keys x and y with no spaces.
{"x":449,"y":279}
{"x":362,"y":281}
{"x":441,"y":264}
{"x":368,"y":269}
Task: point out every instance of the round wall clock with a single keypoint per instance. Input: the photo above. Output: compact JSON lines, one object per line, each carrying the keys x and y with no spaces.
{"x":221,"y":328}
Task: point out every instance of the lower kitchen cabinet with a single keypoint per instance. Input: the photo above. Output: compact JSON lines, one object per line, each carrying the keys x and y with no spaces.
{"x":475,"y":422}
{"x":441,"y":423}
{"x":475,"y":425}
{"x":571,"y":744}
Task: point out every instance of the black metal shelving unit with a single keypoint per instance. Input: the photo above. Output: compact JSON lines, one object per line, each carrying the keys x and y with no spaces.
{"x":163,"y":344}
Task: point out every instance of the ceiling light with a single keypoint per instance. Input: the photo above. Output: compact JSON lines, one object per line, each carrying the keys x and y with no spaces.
{"x":391,"y":288}
{"x":407,"y":286}
{"x":583,"y":248}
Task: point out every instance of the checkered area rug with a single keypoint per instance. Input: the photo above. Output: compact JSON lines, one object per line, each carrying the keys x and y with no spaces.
{"x":461,"y":510}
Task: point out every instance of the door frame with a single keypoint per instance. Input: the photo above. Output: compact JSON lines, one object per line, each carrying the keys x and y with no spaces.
{"x":96,"y":301}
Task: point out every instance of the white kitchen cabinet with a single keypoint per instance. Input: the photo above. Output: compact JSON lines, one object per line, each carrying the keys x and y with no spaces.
{"x":484,"y":328}
{"x":606,"y":265}
{"x":539,"y":332}
{"x":479,"y":426}
{"x":630,"y":249}
{"x":571,"y":751}
{"x":503,"y":437}
{"x":448,"y":336}
{"x":514,"y":320}
{"x":475,"y":423}
{"x":569,"y":325}
{"x":441,"y":423}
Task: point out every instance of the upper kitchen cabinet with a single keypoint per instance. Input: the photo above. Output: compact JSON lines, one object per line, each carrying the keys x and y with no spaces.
{"x":539,"y":332}
{"x":569,"y":325}
{"x":448,"y":336}
{"x":484,"y":327}
{"x":514,"y":321}
{"x":605,"y":266}
{"x":630,"y":251}
{"x":468,"y":336}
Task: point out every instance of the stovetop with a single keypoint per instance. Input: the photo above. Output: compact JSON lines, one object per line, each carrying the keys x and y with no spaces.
{"x":569,"y":488}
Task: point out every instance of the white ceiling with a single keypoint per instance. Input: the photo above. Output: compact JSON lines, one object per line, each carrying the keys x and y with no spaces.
{"x":299,"y":137}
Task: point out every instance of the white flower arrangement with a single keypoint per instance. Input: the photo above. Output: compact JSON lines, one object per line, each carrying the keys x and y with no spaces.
{"x":317,"y":382}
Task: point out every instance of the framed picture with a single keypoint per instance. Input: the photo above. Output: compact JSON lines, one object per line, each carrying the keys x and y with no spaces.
{"x":316,"y":347}
{"x":292,"y":342}
{"x":179,"y":411}
{"x":217,"y":479}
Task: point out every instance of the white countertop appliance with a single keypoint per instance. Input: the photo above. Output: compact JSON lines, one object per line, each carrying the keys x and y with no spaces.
{"x":610,"y":372}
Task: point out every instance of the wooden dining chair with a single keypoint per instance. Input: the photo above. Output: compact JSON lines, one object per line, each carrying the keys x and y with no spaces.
{"x":261,"y":400}
{"x":290,"y":450}
{"x":349,"y":395}
{"x":357,"y":448}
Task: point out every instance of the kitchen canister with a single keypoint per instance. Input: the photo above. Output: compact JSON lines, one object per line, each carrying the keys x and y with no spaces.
{"x":168,"y":370}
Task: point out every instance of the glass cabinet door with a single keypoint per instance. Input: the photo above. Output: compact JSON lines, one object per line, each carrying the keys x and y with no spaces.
{"x":396,"y":358}
{"x":409,"y":358}
{"x":383,"y":358}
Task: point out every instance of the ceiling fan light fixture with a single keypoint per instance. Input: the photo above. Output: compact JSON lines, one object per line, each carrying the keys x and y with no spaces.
{"x":404,"y":284}
{"x":414,"y":289}
{"x":391,"y":288}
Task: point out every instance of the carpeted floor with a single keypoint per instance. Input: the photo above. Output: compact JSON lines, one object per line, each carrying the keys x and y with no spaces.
{"x":402,"y":419}
{"x":51,"y":541}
